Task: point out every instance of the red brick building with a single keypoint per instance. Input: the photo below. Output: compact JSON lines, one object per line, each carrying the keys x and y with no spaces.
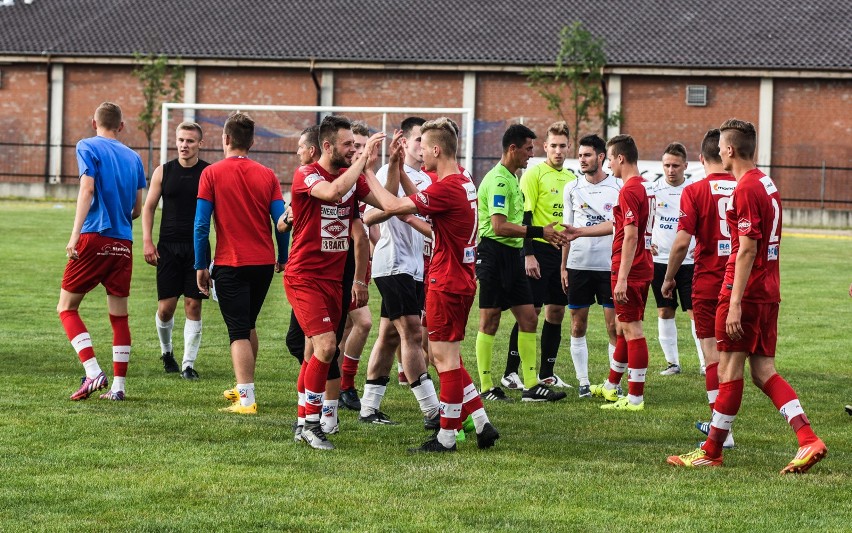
{"x":783,"y":65}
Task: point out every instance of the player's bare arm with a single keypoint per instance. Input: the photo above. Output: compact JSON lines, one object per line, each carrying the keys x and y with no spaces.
{"x":137,"y":206}
{"x":84,"y":203}
{"x":360,"y":293}
{"x":155,"y":191}
{"x":628,"y":252}
{"x":335,"y":190}
{"x":598,"y":230}
{"x":563,"y":270}
{"x":285,"y":221}
{"x":677,"y":254}
{"x":391,"y":204}
{"x":742,"y":270}
{"x":420,"y":225}
{"x":504,"y":228}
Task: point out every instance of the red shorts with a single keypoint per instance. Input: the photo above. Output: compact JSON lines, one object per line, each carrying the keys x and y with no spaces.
{"x":760,"y":328}
{"x":447,"y":314}
{"x":352,"y":305}
{"x":637,"y":297}
{"x":316,"y":302}
{"x":704,"y":314}
{"x":104,"y":260}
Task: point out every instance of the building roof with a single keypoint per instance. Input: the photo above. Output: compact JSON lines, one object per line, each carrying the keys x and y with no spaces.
{"x":729,"y":34}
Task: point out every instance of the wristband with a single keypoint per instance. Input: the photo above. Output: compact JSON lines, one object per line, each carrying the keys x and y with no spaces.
{"x":361,"y":283}
{"x":535,"y":232}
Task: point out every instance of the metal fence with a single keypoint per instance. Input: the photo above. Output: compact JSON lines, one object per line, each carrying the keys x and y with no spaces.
{"x":824,"y":185}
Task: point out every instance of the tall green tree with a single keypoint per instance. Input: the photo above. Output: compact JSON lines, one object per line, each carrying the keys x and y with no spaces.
{"x":573,"y":87}
{"x":160,"y":82}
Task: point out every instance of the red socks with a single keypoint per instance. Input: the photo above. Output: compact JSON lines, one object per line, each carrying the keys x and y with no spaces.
{"x":348,"y":371}
{"x":77,"y":334}
{"x":451,"y":396}
{"x":316,"y":375}
{"x":711,"y":381}
{"x":787,"y":403}
{"x":727,"y":406}
{"x":471,"y":401}
{"x":300,"y":389}
{"x":620,"y":359}
{"x":120,"y":345}
{"x":637,"y":366}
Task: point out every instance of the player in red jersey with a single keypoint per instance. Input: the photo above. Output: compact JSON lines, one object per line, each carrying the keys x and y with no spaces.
{"x":702,"y":215}
{"x":747,"y":314}
{"x":451,"y":205}
{"x":632,"y":271}
{"x":324,"y":202}
{"x":241,"y":195}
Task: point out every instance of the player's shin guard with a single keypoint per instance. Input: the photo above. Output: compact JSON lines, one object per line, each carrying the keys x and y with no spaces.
{"x":527,"y":352}
{"x":787,"y":402}
{"x":484,"y":354}
{"x":580,"y":356}
{"x":424,"y":392}
{"x":315,"y":377}
{"x":451,"y":399}
{"x":711,"y":381}
{"x":618,"y":365}
{"x":374,"y":392}
{"x":120,"y":350}
{"x":164,"y":332}
{"x":727,"y":406}
{"x":80,"y":341}
{"x":348,"y":371}
{"x":637,"y":356}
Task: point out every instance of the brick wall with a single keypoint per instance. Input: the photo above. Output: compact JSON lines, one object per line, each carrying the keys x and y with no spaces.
{"x":656,"y":114}
{"x":23,"y":121}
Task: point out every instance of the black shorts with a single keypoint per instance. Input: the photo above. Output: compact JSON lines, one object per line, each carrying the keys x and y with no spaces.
{"x":683,"y":279}
{"x":503,"y":281}
{"x":176,"y":274}
{"x":401,"y":295}
{"x":587,"y":286}
{"x":548,"y":289}
{"x":241,"y":292}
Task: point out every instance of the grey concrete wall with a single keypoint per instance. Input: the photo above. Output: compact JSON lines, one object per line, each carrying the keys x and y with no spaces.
{"x":818,"y":218}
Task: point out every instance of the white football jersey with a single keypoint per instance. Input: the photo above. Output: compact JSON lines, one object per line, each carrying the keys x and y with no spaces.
{"x":588,"y":204}
{"x":399,"y":249}
{"x":666,"y":219}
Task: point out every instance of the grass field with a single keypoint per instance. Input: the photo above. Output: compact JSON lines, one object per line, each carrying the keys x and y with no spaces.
{"x":166,"y":459}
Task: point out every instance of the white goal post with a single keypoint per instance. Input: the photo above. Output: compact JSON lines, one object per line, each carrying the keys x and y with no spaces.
{"x":466,"y":126}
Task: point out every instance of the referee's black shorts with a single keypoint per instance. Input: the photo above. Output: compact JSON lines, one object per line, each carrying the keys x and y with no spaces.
{"x":503,"y":281}
{"x":548,"y":289}
{"x":683,"y":280}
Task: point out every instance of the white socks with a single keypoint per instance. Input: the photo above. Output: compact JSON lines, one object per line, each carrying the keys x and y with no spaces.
{"x":698,"y":345}
{"x":164,"y":332}
{"x":667,"y":329}
{"x":92,"y":368}
{"x":246,"y":391}
{"x":426,"y":396}
{"x":372,"y":398}
{"x":191,"y":342}
{"x":328,"y":421}
{"x":580,"y":355}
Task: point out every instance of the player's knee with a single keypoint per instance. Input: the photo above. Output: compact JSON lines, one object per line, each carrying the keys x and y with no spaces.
{"x":192,"y":308}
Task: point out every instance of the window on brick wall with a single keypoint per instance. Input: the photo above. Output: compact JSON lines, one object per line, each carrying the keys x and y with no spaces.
{"x":696,"y":95}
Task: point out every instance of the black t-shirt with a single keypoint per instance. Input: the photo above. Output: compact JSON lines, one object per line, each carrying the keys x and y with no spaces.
{"x":180,"y":191}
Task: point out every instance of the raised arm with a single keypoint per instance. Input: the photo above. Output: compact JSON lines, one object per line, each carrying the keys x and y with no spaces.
{"x":334,"y":191}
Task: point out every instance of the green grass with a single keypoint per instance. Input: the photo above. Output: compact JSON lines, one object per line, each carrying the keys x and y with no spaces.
{"x":165,"y":459}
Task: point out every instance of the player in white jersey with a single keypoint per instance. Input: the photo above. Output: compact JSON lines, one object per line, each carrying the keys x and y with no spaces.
{"x":398,"y":273}
{"x":668,"y":192}
{"x":587,"y":262}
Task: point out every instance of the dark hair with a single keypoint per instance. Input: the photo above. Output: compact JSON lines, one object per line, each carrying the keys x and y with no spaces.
{"x":595,"y":142}
{"x":360,"y":128}
{"x":312,"y":136}
{"x":330,"y":125}
{"x":516,"y":134}
{"x":676,"y":149}
{"x":108,"y":116}
{"x":710,"y":146}
{"x":240,"y":128}
{"x":409,"y":124}
{"x":742,"y":136}
{"x":624,"y":145}
{"x":445,"y":134}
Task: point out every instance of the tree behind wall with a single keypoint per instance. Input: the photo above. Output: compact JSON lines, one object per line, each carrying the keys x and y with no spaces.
{"x":573,"y":88}
{"x":160,"y":82}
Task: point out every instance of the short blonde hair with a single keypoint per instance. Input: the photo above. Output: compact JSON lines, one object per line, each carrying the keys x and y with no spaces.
{"x":444,"y":132}
{"x":191,"y":126}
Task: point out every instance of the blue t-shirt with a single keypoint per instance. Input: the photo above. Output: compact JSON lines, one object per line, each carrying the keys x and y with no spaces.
{"x":118,"y":174}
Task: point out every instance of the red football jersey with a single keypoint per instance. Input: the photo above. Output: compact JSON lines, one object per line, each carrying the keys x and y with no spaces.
{"x":703,"y":208}
{"x":427,"y":242}
{"x":321,"y":230}
{"x":755,"y":212}
{"x":452,"y":206}
{"x":635,"y":207}
{"x":241,"y":191}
